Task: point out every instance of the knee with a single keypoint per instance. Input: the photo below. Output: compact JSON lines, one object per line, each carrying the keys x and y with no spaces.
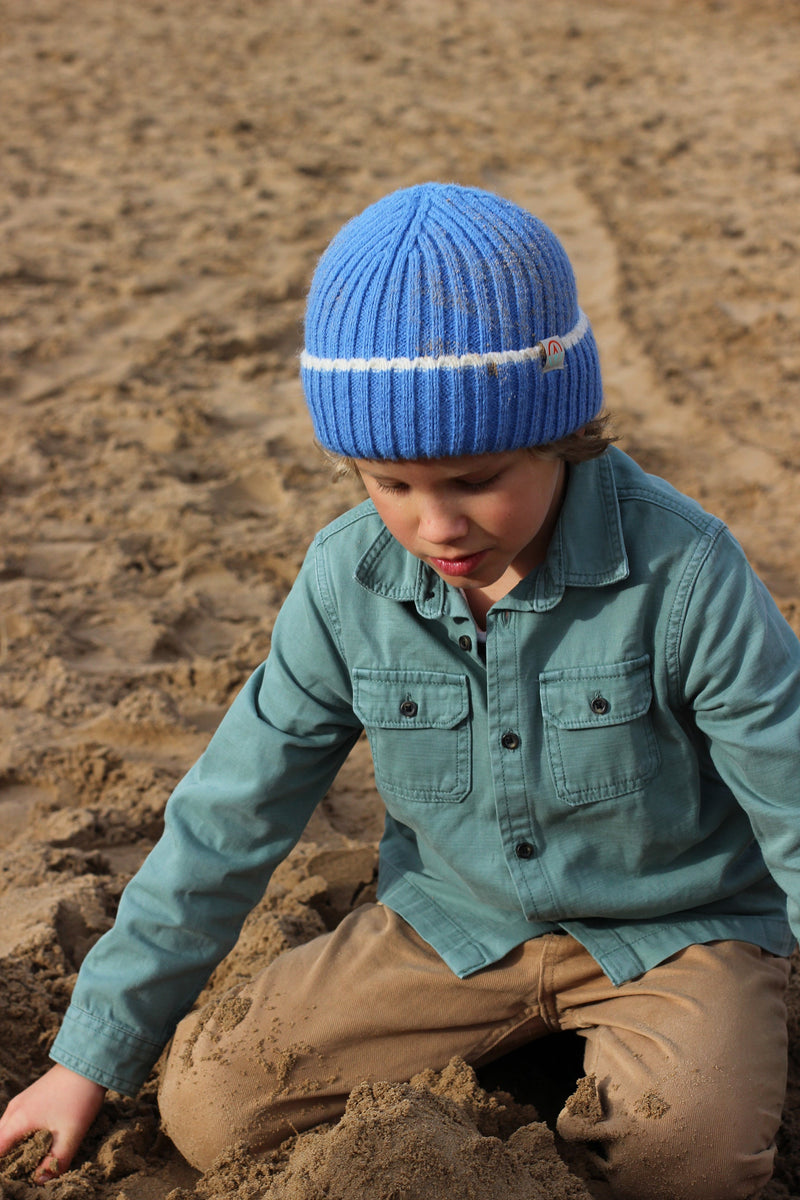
{"x":204,"y":1110}
{"x":696,"y":1146}
{"x":185,"y":1099}
{"x":687,"y":1161}
{"x":221,"y":1086}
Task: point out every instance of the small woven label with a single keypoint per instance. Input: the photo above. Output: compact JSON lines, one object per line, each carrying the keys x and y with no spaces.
{"x":553,"y":354}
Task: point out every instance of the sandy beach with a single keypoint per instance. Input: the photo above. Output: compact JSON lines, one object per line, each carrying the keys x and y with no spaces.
{"x":171,"y":174}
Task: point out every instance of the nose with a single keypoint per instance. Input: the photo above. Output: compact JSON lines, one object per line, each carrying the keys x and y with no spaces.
{"x":441,"y":523}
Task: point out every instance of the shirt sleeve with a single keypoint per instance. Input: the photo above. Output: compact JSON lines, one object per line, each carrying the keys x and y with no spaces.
{"x":230,"y":821}
{"x":737,"y":667}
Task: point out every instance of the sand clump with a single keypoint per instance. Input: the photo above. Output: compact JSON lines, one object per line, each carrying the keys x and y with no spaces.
{"x":439,"y":1134}
{"x":171,"y":174}
{"x":399,"y":1140}
{"x":584,"y":1101}
{"x":24,"y":1158}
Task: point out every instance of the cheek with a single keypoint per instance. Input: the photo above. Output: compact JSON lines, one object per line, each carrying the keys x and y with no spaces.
{"x":521,"y":521}
{"x":399,"y":523}
{"x":501,"y":517}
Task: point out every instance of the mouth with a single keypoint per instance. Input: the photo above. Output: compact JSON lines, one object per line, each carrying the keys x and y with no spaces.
{"x":458,"y":566}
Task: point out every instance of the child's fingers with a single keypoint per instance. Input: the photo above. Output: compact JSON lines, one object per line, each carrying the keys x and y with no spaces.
{"x":13,"y":1128}
{"x":58,"y":1158}
{"x":61,"y":1103}
{"x":63,"y":1148}
{"x":49,"y":1168}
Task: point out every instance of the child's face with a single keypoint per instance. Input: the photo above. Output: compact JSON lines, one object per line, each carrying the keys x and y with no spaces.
{"x":482,"y":522}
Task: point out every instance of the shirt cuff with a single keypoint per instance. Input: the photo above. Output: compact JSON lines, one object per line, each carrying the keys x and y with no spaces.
{"x":109,"y":1054}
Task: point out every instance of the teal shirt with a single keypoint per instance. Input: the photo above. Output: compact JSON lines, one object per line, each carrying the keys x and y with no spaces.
{"x":623,"y":765}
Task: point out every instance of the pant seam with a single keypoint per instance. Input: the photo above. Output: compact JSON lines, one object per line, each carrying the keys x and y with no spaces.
{"x":548,"y":1006}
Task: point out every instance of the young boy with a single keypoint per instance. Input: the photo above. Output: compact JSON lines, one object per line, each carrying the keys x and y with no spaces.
{"x":583,"y":710}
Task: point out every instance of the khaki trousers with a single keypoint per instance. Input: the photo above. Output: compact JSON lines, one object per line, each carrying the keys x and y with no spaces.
{"x":689,"y":1059}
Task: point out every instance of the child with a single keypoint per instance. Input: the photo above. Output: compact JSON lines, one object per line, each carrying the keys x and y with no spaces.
{"x":584,"y":713}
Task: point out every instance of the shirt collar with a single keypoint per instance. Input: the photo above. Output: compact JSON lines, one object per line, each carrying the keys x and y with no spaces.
{"x":587,"y":550}
{"x":388,"y":570}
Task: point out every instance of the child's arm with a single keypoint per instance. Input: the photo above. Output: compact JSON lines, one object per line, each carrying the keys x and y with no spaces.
{"x":737,"y":666}
{"x":60,"y":1101}
{"x":230,"y":821}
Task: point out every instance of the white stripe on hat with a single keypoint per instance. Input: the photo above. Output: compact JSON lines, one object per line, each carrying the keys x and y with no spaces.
{"x":451,"y":362}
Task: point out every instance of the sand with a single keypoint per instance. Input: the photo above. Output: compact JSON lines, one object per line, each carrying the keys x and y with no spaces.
{"x":171,"y":172}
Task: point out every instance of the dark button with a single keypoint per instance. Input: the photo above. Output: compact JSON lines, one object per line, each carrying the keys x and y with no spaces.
{"x":600,"y":706}
{"x":465,"y":643}
{"x":510,"y":740}
{"x":409,"y":708}
{"x":524,"y":850}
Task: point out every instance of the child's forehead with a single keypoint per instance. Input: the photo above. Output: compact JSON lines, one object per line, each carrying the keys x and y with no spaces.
{"x":455,"y":465}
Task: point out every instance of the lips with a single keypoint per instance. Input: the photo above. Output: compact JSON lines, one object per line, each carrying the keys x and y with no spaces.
{"x":458,"y":566}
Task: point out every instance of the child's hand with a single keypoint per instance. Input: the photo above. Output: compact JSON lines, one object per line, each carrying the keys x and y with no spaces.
{"x":61,"y":1101}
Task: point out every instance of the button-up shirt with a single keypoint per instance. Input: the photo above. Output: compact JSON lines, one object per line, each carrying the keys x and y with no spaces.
{"x":619,"y":761}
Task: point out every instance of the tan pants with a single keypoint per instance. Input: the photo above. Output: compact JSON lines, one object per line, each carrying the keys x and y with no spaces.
{"x":689,"y":1059}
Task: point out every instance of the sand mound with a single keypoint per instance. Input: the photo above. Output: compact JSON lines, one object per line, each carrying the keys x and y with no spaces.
{"x":440,"y":1134}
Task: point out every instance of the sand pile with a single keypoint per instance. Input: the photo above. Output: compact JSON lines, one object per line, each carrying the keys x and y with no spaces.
{"x":439,"y":1134}
{"x":171,"y":173}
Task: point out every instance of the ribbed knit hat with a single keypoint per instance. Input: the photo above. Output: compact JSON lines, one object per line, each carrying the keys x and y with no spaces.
{"x":444,"y":321}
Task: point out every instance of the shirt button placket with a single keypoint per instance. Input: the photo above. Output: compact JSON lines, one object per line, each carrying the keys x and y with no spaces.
{"x":512,"y":741}
{"x":511,"y":775}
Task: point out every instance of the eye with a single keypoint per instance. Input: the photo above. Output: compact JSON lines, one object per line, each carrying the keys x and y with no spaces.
{"x":391,"y":488}
{"x":479,"y":485}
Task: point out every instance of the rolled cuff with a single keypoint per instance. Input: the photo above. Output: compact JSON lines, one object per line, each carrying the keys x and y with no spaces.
{"x":103,"y":1051}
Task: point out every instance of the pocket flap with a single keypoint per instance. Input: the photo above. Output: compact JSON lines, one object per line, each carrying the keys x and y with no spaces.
{"x":591,"y":697}
{"x":393,"y":699}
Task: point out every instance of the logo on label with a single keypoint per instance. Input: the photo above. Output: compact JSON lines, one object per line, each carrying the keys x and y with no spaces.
{"x":553,"y":354}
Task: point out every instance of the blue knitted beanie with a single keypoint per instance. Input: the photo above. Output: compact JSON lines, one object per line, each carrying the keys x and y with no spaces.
{"x":444,"y":321}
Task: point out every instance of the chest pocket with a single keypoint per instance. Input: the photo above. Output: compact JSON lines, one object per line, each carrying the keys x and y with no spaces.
{"x":600,"y":737}
{"x":418,"y":727}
